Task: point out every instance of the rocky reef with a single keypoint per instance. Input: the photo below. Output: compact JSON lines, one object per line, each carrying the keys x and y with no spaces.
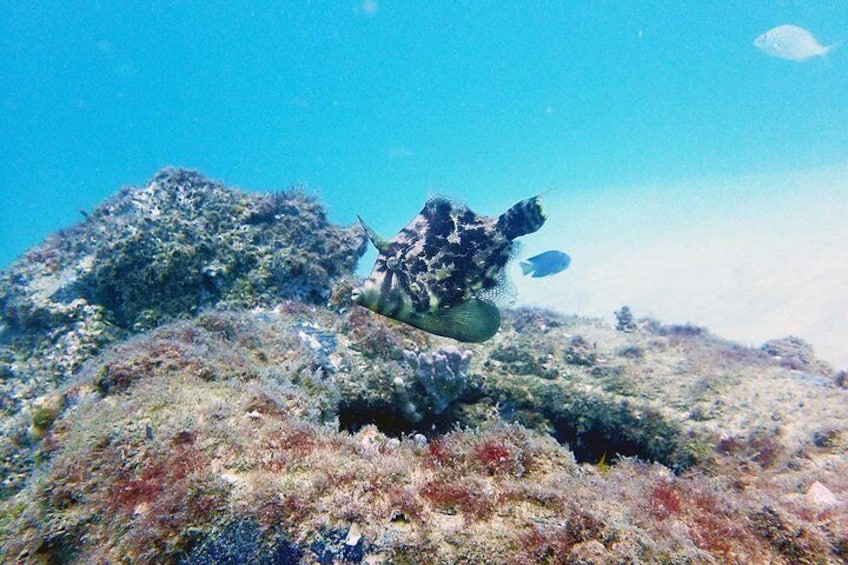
{"x":184,"y":380}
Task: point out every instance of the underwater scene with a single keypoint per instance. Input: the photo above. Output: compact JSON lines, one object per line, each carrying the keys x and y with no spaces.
{"x":376,"y":282}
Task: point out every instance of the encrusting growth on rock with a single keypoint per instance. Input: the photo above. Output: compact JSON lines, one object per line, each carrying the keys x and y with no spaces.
{"x":247,"y":411}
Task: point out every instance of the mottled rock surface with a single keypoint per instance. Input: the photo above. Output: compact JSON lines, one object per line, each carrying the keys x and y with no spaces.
{"x":267,"y":419}
{"x":167,"y":250}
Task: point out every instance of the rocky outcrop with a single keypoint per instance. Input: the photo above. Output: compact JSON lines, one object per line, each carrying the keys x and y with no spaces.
{"x":266,"y":418}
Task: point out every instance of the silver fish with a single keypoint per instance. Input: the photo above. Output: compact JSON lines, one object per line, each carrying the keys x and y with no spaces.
{"x":442,"y":272}
{"x":791,"y":42}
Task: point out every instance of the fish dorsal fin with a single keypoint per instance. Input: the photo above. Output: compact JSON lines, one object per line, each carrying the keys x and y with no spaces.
{"x":381,"y":244}
{"x":525,"y":217}
{"x":472,"y":321}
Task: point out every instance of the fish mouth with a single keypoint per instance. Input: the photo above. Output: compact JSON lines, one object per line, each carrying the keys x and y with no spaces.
{"x":366,"y":294}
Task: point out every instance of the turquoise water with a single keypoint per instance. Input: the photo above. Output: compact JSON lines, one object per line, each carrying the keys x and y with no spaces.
{"x":375,"y":105}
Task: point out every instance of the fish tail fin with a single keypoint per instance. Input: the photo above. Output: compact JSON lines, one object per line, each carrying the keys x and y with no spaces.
{"x":525,"y":217}
{"x":472,"y":321}
{"x":525,"y":267}
{"x":826,"y":51}
{"x":833,"y":46}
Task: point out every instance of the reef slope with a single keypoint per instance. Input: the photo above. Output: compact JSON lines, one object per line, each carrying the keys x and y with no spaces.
{"x":184,"y":380}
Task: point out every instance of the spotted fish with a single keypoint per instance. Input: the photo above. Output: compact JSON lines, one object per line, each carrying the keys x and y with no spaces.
{"x":442,"y":271}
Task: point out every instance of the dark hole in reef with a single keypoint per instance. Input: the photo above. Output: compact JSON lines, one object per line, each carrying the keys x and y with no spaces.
{"x":595,"y":438}
{"x":353,"y":416}
{"x":591,"y":446}
{"x":59,"y":549}
{"x":594,"y":428}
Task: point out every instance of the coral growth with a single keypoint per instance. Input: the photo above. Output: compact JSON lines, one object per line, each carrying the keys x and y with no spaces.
{"x":624,"y":320}
{"x":442,"y":373}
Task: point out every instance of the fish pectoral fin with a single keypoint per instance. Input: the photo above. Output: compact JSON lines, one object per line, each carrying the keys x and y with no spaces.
{"x":381,"y":244}
{"x":472,"y":321}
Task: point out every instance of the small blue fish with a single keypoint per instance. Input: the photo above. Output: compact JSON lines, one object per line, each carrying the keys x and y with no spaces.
{"x":544,"y":264}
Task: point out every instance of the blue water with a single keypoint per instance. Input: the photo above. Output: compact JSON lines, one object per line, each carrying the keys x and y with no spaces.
{"x":375,"y":105}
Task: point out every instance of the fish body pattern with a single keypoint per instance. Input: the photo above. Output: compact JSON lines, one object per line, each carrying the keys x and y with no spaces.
{"x":442,"y":271}
{"x":545,"y":264}
{"x":792,"y":43}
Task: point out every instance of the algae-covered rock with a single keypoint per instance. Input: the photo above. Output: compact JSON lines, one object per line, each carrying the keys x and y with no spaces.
{"x":167,"y":250}
{"x":150,"y":254}
{"x":795,"y":353}
{"x":257,"y":423}
{"x":233,"y":425}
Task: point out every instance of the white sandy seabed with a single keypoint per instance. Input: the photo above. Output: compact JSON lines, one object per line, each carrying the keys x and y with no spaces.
{"x":750,"y":258}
